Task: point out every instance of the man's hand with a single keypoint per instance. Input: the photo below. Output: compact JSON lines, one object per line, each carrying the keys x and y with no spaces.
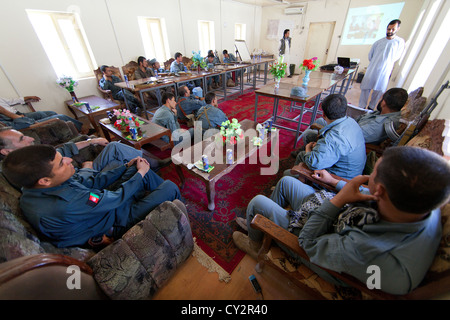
{"x":310,"y":146}
{"x":325,"y":177}
{"x":142,"y":165}
{"x":350,"y":192}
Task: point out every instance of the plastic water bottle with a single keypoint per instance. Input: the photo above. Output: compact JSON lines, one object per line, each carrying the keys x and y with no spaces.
{"x":133,"y":129}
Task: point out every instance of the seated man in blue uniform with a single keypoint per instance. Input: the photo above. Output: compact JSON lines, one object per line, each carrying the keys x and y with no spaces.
{"x":166,"y":116}
{"x":188,"y":104}
{"x":178,"y":66}
{"x":12,"y":117}
{"x":113,"y":155}
{"x":379,"y":125}
{"x":212,"y":82}
{"x":230,"y":58}
{"x":211,"y":116}
{"x":70,"y":208}
{"x":340,"y":148}
{"x":156,"y":66}
{"x":394,"y":224}
{"x":108,"y":83}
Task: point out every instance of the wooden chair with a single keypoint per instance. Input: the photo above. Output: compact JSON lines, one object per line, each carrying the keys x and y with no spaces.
{"x":129,"y":69}
{"x":107,"y":93}
{"x":168,"y":63}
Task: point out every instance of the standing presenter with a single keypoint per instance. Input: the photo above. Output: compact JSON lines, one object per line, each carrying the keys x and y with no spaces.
{"x":382,"y":57}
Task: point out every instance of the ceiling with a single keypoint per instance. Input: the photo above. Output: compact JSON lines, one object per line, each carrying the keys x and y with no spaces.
{"x":267,"y":3}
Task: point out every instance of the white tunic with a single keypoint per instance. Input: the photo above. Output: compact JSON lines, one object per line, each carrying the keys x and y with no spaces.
{"x":8,"y":103}
{"x":382,"y":57}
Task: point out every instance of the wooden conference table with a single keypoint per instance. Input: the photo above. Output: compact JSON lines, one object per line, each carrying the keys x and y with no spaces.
{"x":176,"y":80}
{"x":243,"y":150}
{"x":319,"y":82}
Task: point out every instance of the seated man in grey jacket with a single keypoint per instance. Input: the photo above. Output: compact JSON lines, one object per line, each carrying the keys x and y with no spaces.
{"x":166,"y":116}
{"x":393,"y":224}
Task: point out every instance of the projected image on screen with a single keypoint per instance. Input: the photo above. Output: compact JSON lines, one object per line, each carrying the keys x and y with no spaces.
{"x":366,"y":25}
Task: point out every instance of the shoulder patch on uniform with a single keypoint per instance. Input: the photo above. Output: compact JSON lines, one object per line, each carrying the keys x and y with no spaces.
{"x":93,"y":199}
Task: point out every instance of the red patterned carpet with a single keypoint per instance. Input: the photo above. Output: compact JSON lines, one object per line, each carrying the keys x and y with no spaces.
{"x":213,"y":229}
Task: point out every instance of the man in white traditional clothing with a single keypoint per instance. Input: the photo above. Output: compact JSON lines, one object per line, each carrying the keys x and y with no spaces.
{"x":284,"y":50}
{"x":382,"y":56}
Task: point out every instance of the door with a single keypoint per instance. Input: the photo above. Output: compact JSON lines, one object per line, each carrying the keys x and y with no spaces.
{"x":319,"y":40}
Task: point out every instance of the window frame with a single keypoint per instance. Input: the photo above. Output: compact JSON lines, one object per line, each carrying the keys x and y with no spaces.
{"x":77,"y":26}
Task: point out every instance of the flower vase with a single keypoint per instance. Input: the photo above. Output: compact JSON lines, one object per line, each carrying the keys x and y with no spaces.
{"x":277,"y":82}
{"x":73,"y":95}
{"x":306,"y":78}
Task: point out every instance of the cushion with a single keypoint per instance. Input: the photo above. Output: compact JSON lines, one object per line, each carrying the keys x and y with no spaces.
{"x":148,"y":254}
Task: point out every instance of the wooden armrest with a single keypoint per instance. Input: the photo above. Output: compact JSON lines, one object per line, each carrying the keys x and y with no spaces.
{"x":16,"y":267}
{"x":42,"y":123}
{"x":373,"y":147}
{"x":306,"y":173}
{"x":278,"y":234}
{"x":30,"y":105}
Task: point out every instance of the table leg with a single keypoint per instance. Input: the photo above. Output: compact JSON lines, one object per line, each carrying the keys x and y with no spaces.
{"x":181,"y":175}
{"x":256,"y":107}
{"x":94,"y":124}
{"x":211,"y":193}
{"x":144,"y":109}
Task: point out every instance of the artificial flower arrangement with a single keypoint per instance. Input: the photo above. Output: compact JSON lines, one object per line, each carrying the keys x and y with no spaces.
{"x":278,"y":69}
{"x":198,"y":60}
{"x":123,"y":120}
{"x":231,"y":131}
{"x":67,"y":82}
{"x":310,"y":64}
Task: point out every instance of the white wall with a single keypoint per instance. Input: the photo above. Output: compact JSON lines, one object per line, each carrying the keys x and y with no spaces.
{"x":113,"y":33}
{"x":112,"y":30}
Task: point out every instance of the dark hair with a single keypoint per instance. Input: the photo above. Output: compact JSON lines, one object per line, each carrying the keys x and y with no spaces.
{"x":334,"y":106}
{"x":285,"y":31}
{"x":416,"y":180}
{"x":211,"y":55}
{"x":167,"y":96}
{"x":4,"y":143}
{"x":395,"y":21}
{"x":182,"y":91}
{"x":225,"y":51}
{"x":395,"y":98}
{"x":103,"y":68}
{"x":25,"y":166}
{"x":177,"y":55}
{"x":210,"y":96}
{"x":140,"y":59}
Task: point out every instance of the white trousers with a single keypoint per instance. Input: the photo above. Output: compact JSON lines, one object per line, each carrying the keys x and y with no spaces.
{"x":363,"y":99}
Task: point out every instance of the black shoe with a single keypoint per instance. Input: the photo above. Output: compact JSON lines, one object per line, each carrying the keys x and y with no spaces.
{"x":162,"y":164}
{"x":289,"y":76}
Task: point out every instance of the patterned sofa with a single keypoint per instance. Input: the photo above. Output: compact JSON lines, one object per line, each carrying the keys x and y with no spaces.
{"x":133,"y":267}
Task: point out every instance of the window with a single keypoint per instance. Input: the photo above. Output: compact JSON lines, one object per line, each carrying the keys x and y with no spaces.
{"x":154,"y":38}
{"x":65,"y":43}
{"x":433,"y":53}
{"x":239,"y":31}
{"x":206,"y":36}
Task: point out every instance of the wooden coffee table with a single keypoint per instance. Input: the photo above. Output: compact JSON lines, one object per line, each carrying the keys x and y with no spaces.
{"x":219,"y":169}
{"x":152,"y":134}
{"x":105,"y":105}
